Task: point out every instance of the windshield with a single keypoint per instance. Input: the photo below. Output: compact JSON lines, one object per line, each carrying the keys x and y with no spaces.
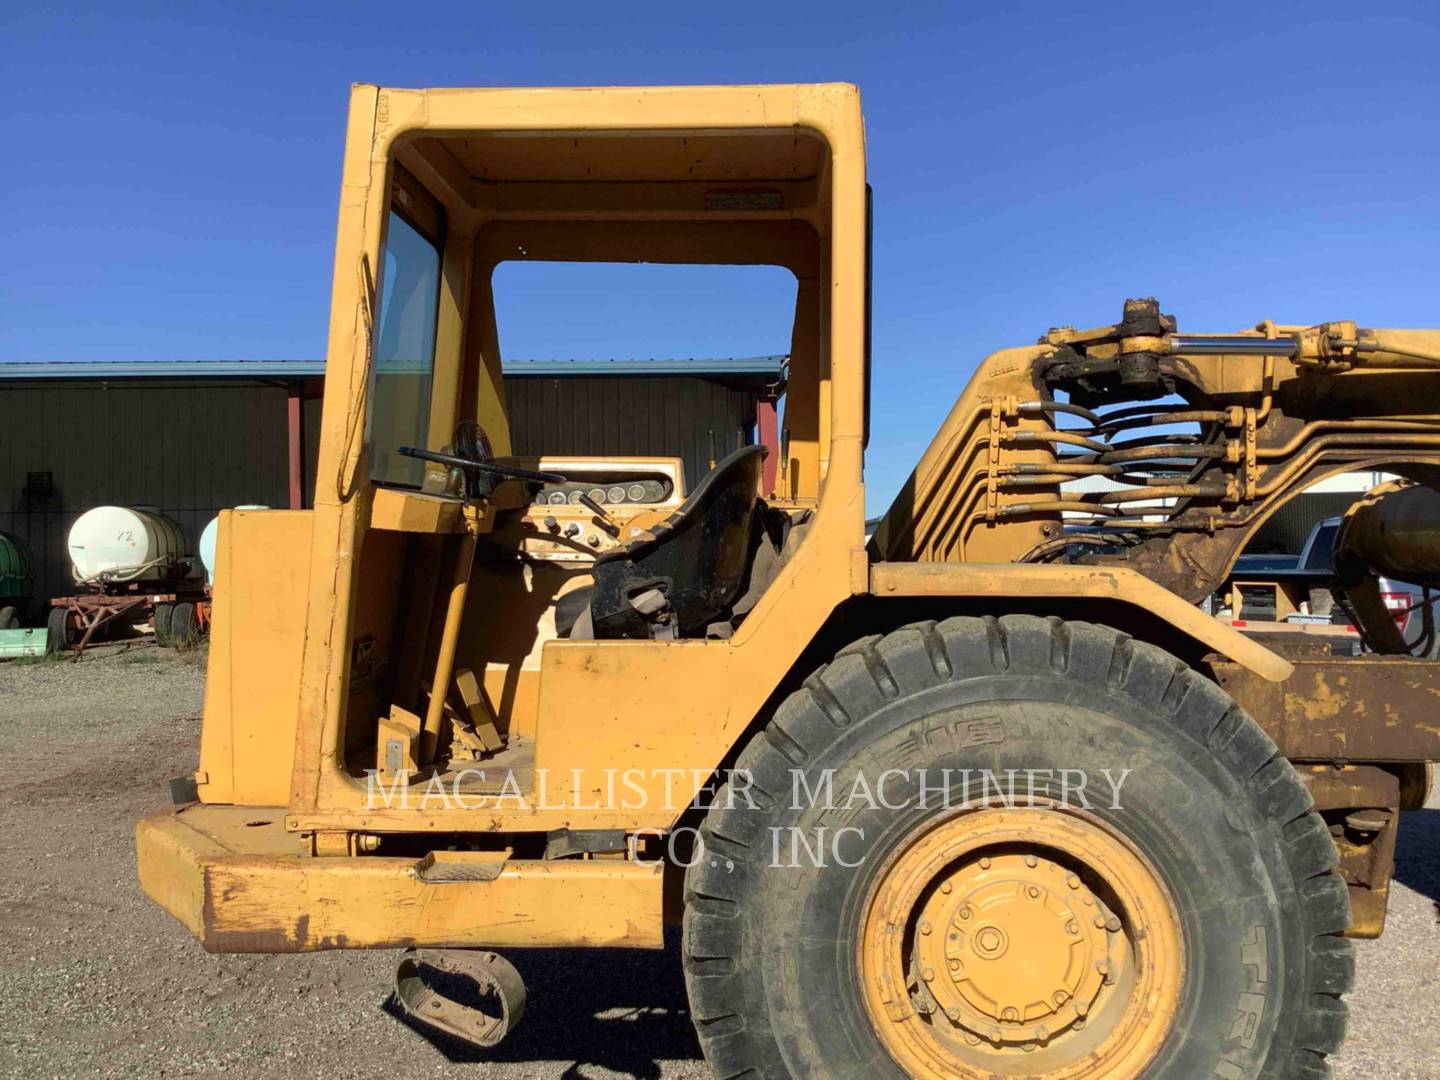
{"x":404,"y":354}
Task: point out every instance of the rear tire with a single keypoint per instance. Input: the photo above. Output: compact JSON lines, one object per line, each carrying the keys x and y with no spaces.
{"x":9,"y":618}
{"x":183,"y":627}
{"x":57,"y":631}
{"x":163,"y":613}
{"x":774,"y":964}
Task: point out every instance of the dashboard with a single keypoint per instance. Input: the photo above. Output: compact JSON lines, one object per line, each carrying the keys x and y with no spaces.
{"x":559,"y":527}
{"x":620,"y":488}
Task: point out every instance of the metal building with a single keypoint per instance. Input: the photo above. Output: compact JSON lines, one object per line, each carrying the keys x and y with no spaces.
{"x":699,"y":410}
{"x":191,"y":438}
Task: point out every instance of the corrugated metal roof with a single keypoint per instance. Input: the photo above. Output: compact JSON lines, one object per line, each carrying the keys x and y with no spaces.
{"x":150,"y":369}
{"x":730,"y":365}
{"x":299,"y":369}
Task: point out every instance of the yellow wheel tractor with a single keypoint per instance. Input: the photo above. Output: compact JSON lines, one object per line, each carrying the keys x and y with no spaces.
{"x":986,"y":793}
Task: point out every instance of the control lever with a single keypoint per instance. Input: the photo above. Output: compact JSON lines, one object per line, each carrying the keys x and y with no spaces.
{"x":602,"y":516}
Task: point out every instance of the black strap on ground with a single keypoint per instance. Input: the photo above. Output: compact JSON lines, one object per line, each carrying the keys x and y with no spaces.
{"x":499,"y":989}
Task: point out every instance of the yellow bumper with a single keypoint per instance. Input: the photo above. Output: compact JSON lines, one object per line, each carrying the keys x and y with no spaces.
{"x":238,"y":881}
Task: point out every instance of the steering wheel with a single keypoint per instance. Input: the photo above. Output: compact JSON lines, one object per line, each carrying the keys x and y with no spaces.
{"x":501,"y":472}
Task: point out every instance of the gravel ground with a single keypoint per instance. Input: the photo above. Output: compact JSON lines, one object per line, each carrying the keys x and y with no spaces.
{"x":95,"y":980}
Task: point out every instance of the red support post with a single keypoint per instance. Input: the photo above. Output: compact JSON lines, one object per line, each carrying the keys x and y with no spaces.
{"x":296,"y":407}
{"x":768,"y":425}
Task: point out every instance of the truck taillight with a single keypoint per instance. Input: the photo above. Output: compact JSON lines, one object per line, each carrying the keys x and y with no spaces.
{"x":1399,"y":605}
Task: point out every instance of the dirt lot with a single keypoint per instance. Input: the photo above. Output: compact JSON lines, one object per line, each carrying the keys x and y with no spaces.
{"x":95,"y":980}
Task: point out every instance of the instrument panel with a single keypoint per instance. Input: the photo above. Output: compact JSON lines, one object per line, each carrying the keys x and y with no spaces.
{"x":561,"y":528}
{"x":632,"y":489}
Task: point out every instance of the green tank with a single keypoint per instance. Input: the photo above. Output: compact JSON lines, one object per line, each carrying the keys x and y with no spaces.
{"x":14,"y":568}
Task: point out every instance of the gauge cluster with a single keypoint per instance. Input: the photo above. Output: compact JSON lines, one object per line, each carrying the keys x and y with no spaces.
{"x":617,"y":491}
{"x":560,"y":527}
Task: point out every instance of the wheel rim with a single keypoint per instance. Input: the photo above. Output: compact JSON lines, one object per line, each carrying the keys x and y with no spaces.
{"x":1020,"y":942}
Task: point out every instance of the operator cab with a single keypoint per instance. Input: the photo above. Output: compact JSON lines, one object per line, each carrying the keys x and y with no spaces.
{"x":478,"y":558}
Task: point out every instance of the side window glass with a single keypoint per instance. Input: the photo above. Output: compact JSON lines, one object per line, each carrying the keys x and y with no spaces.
{"x":404,"y":354}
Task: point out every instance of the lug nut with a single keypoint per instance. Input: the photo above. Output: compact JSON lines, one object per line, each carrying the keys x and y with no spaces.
{"x":1030,"y":861}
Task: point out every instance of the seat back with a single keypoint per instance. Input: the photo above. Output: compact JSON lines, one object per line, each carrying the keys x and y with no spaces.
{"x":697,"y":558}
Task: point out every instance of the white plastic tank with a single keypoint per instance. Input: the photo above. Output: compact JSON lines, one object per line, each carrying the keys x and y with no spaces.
{"x":209,"y":537}
{"x":120,"y":543}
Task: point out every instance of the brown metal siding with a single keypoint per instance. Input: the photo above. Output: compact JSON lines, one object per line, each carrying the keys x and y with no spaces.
{"x":190,"y":448}
{"x":652,"y":416}
{"x":187,"y":449}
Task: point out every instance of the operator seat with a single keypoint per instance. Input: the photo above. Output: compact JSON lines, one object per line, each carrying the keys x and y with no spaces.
{"x":686,"y":572}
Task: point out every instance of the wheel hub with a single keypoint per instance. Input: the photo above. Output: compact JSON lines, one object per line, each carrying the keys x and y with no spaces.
{"x":1017,"y":945}
{"x":1031,"y":942}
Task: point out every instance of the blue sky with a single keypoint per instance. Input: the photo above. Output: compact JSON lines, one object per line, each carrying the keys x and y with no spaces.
{"x":171,"y":180}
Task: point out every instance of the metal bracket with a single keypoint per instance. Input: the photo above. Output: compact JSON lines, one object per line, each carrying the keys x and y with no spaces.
{"x":562,"y":843}
{"x":1252,"y":465}
{"x":992,"y":460}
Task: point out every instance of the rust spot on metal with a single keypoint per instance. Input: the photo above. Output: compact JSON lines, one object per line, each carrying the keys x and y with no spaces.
{"x":1359,"y":708}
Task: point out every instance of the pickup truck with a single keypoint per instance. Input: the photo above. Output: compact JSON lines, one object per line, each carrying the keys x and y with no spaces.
{"x":1295,"y":589}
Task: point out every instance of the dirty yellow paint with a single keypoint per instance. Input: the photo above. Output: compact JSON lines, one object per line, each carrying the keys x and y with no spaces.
{"x":242,"y":887}
{"x":1076,"y":582}
{"x":252,"y":684}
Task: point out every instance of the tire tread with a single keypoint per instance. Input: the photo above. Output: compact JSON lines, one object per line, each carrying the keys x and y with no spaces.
{"x":877,"y":669}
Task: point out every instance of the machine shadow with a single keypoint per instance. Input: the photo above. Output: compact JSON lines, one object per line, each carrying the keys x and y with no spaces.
{"x":1417,"y":853}
{"x":619,"y":1009}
